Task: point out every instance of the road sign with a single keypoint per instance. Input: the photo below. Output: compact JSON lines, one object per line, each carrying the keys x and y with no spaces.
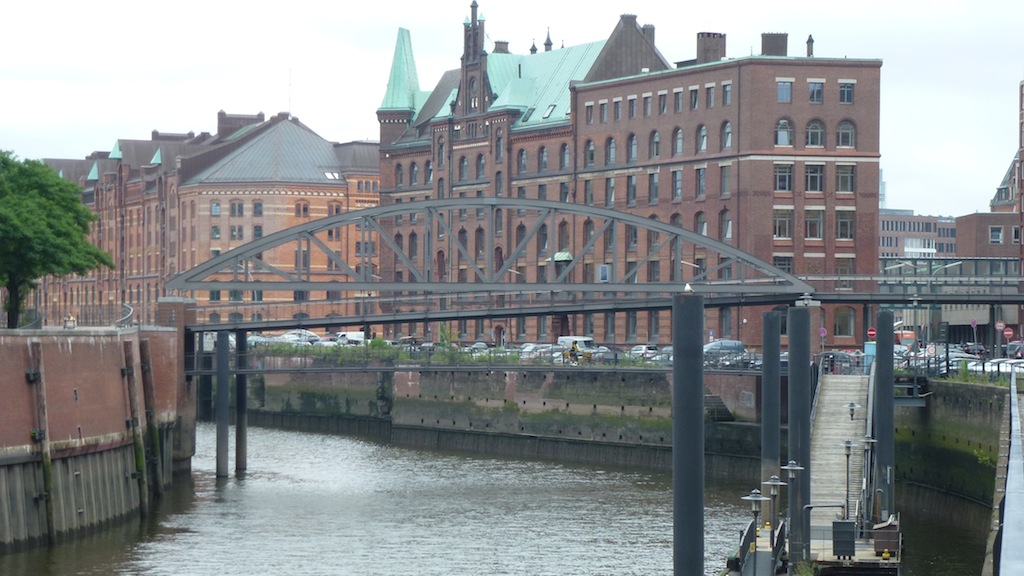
{"x":872,"y":333}
{"x":931,"y":350}
{"x":974,"y":322}
{"x":822,"y":332}
{"x":1000,"y":325}
{"x":1008,"y":332}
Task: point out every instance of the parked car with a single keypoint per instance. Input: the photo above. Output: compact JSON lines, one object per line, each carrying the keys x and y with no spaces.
{"x":643,"y":351}
{"x":725,"y":347}
{"x":300,"y":335}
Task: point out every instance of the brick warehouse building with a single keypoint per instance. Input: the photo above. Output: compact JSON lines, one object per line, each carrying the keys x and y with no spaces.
{"x":170,"y":203}
{"x":774,"y":154}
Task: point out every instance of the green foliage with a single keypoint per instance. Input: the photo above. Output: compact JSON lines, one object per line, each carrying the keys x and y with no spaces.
{"x":984,"y":458}
{"x":44,"y":229}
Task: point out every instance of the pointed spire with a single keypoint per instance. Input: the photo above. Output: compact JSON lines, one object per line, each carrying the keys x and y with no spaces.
{"x":533,"y":47}
{"x":403,"y":83}
{"x":548,"y":43}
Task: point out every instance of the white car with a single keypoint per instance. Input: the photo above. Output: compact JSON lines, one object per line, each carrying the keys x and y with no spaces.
{"x":643,"y":351}
{"x":300,"y":336}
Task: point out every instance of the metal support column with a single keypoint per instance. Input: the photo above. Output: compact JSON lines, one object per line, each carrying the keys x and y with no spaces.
{"x":885,"y":414}
{"x":223,"y":397}
{"x":241,"y":402}
{"x":799,"y":331}
{"x":771,"y":397}
{"x":688,"y":434}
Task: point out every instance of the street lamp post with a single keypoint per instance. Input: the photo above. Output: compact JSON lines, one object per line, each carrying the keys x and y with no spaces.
{"x":773,"y":484}
{"x":847,"y":448}
{"x":755,"y":500}
{"x":791,"y":469}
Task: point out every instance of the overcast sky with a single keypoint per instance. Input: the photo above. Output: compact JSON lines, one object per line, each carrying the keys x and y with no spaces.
{"x":76,"y":76}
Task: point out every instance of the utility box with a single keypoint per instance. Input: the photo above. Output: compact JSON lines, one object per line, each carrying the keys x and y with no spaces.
{"x":844,"y":534}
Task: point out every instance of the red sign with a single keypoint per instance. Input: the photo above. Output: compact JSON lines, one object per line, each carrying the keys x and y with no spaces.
{"x":1008,"y":332}
{"x":872,"y":333}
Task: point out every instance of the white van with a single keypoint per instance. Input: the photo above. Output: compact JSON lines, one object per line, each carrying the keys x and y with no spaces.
{"x":351,"y":338}
{"x":584,"y":343}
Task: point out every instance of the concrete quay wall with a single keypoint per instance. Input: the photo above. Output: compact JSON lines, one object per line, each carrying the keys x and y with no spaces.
{"x":93,"y":424}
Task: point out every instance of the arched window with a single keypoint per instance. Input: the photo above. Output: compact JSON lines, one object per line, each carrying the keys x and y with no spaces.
{"x":522,"y":160}
{"x":588,"y":154}
{"x":702,"y":138}
{"x":499,"y":223}
{"x":520,"y":234}
{"x":400,"y":242}
{"x":463,"y":168}
{"x":214,"y":208}
{"x":677,"y":142}
{"x":846,"y":135}
{"x":724,"y":225}
{"x":783,"y":133}
{"x":499,"y":146}
{"x":631,"y":148}
{"x":440,"y":152}
{"x":429,"y":167}
{"x":414,"y":174}
{"x":481,"y":167}
{"x":440,"y":188}
{"x":414,"y":246}
{"x":654,"y":148}
{"x":563,"y":157}
{"x":588,"y":232}
{"x":609,"y":151}
{"x":478,"y":240}
{"x":700,"y":223}
{"x":464,"y":242}
{"x":542,"y":240}
{"x":542,"y":159}
{"x":726,"y":135}
{"x":815,"y":133}
{"x":499,"y":184}
{"x":845,"y":322}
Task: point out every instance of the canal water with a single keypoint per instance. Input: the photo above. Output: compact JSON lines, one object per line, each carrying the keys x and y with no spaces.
{"x":315,"y":504}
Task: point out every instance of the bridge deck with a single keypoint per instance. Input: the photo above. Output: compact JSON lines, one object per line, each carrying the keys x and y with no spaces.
{"x":832,"y":427}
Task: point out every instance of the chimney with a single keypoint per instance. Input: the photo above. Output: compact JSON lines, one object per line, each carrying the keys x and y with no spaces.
{"x":810,"y":46}
{"x":774,"y":44}
{"x":649,"y":33}
{"x":501,"y":47}
{"x":710,"y":47}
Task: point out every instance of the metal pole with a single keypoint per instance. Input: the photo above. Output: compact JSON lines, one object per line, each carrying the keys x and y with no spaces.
{"x":771,"y":411}
{"x":688,"y":434}
{"x":799,"y":331}
{"x":848,"y":447}
{"x":884,"y":420}
{"x":241,"y":403}
{"x":223,"y":375}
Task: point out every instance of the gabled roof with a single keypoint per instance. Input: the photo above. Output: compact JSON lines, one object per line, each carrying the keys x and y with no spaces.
{"x":629,"y":50}
{"x":284,"y":151}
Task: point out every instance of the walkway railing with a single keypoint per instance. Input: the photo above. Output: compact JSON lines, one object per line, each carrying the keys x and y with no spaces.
{"x":1009,"y":552}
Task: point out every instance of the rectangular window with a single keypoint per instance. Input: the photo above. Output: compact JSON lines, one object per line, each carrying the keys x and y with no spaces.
{"x":677,"y":184}
{"x":784,"y":91}
{"x":783,"y":224}
{"x":609,"y":326}
{"x":845,"y":178}
{"x":617,"y":105}
{"x":726,"y":94}
{"x":784,"y":263}
{"x":816,"y":92}
{"x":662,"y":103}
{"x":632,"y":107}
{"x":590,"y":113}
{"x":995,"y":234}
{"x":701,"y":182}
{"x":563,"y":192}
{"x":815,"y":180}
{"x":679,"y":100}
{"x":257,"y":208}
{"x":694,"y":99}
{"x":814,"y":224}
{"x":844,"y":267}
{"x":604,"y":112}
{"x":725,"y":180}
{"x":784,"y":177}
{"x":609,"y":192}
{"x":709,"y":93}
{"x":588,"y":192}
{"x":846,"y":93}
{"x":845,"y":224}
{"x":235,"y":295}
{"x":647,"y":105}
{"x":542,"y":192}
{"x":215,"y":232}
{"x":237,"y":232}
{"x":237,"y":209}
{"x":652,"y":188}
{"x":631,"y":190}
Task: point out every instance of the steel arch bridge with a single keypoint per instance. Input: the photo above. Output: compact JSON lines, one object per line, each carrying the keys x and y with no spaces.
{"x":617,"y":252}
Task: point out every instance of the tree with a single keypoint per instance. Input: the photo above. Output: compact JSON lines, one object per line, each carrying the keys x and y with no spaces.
{"x":44,"y":230}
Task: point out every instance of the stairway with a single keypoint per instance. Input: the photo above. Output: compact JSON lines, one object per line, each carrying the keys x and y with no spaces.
{"x":832,"y":427}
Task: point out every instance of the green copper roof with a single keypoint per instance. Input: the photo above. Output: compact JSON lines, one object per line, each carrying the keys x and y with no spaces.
{"x":403,"y":84}
{"x":539,"y":81}
{"x":94,"y":172}
{"x":115,"y":153}
{"x":156,"y":158}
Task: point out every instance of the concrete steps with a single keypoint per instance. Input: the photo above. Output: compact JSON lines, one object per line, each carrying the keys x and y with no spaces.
{"x":832,"y":427}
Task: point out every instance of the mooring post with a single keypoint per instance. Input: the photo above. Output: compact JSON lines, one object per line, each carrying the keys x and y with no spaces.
{"x":885,"y":413}
{"x":128,"y":373}
{"x":41,"y":435}
{"x":688,"y":434}
{"x":771,"y":397}
{"x":798,"y":328}
{"x":155,"y":450}
{"x":223,"y":398}
{"x":241,"y":402}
